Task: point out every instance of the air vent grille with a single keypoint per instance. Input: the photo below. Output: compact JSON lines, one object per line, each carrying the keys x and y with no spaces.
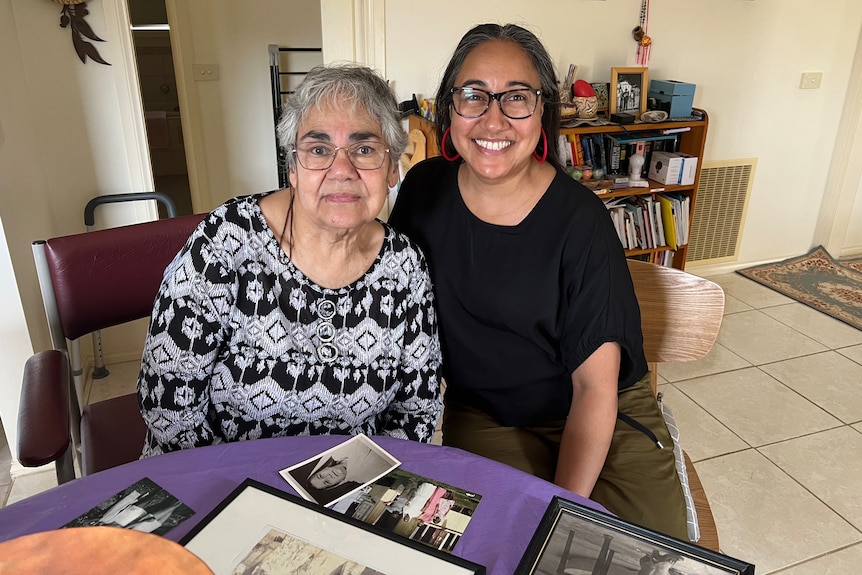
{"x":719,"y":213}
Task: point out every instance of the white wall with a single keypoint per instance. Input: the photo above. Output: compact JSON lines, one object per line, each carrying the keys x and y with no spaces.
{"x":236,"y":111}
{"x":14,"y":342}
{"x":64,"y":141}
{"x":745,"y":57}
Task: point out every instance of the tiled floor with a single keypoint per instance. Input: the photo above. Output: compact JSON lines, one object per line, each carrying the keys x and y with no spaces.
{"x":772,"y":419}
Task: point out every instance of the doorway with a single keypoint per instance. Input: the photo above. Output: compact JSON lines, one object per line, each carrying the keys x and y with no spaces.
{"x":152,"y":43}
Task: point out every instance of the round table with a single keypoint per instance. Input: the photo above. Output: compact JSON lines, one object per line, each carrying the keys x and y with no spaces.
{"x":513,"y":502}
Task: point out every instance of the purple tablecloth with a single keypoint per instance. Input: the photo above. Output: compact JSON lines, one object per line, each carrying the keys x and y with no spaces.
{"x":512,"y":503}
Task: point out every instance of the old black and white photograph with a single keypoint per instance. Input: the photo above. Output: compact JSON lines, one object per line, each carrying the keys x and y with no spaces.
{"x":573,"y":538}
{"x":628,"y":90}
{"x":339,"y":471}
{"x":143,"y":506}
{"x":279,"y":553}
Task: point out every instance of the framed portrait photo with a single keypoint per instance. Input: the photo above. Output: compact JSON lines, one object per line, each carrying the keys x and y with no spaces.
{"x":259,"y":529}
{"x":628,"y":91}
{"x":572,"y":538}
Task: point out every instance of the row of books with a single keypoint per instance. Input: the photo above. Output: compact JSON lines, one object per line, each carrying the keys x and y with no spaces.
{"x":662,"y":258}
{"x":610,"y":153}
{"x":645,"y":222}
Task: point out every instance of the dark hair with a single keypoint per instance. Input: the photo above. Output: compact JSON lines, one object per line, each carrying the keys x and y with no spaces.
{"x":345,"y":84}
{"x":541,"y":62}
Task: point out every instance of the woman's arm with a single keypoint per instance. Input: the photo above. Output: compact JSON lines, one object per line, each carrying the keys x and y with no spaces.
{"x":590,"y":424}
{"x":414,"y":410}
{"x":186,"y":331}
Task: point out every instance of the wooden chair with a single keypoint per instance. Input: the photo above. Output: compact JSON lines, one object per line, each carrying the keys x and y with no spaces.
{"x":89,"y":282}
{"x":680,"y":318}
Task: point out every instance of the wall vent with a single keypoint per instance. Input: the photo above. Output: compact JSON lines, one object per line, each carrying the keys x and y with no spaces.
{"x":719,"y":211}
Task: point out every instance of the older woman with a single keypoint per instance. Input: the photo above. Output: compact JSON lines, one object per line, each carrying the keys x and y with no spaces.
{"x":542,"y":346}
{"x":297,"y":312}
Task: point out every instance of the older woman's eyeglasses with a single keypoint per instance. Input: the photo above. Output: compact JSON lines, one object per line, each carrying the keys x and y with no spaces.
{"x":515,"y":104}
{"x":363,"y":155}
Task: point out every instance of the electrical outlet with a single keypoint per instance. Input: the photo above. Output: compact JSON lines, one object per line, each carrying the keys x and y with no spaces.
{"x":810,"y":80}
{"x":205,"y":72}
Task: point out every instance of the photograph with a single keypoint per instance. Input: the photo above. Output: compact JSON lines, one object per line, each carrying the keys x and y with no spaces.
{"x":277,"y":553}
{"x":410,"y":505}
{"x":144,"y":506}
{"x":572,"y":538}
{"x":628,"y":93}
{"x":261,"y":530}
{"x":339,"y":471}
{"x":602,"y":90}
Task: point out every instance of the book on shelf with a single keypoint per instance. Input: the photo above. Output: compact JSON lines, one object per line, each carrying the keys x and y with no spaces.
{"x":577,"y":150}
{"x":565,"y":151}
{"x":587,"y":147}
{"x":598,"y":143}
{"x":643,"y":136}
{"x":674,"y":212}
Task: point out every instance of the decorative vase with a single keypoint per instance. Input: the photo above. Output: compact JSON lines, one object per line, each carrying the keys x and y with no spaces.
{"x":587,"y":106}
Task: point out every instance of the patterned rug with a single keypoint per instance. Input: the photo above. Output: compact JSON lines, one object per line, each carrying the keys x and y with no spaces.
{"x":855,"y":263}
{"x":815,"y":279}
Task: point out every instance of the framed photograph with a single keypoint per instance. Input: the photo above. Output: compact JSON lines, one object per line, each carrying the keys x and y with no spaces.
{"x":602,"y":90}
{"x":629,"y":87}
{"x":259,"y":529}
{"x":572,"y":538}
{"x":339,"y":471}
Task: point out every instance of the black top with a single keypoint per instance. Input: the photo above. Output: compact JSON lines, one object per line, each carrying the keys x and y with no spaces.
{"x":521,"y":307}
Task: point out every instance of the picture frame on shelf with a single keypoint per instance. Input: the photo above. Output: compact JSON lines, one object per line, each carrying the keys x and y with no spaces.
{"x":258,"y":527}
{"x":628,"y":91}
{"x":574,"y":538}
{"x":602,"y":90}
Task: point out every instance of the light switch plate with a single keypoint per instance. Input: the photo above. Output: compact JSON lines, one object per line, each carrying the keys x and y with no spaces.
{"x":205,"y":72}
{"x":810,"y":80}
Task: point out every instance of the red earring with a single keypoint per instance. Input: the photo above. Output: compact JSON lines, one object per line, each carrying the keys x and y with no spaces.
{"x":443,"y":147}
{"x":544,"y":155}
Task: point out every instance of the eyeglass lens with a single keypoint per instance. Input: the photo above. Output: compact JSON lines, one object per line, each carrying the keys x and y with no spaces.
{"x":515,"y":104}
{"x":363,"y":155}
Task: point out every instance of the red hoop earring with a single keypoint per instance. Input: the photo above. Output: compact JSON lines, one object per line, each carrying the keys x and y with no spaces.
{"x":443,"y":147}
{"x":544,"y":155}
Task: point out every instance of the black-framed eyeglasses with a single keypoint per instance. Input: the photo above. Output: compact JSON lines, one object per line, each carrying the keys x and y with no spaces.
{"x":515,"y":104}
{"x":320,"y":156}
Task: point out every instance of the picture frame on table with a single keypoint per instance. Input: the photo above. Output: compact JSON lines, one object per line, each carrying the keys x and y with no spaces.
{"x":262,"y":529}
{"x":628,"y":91}
{"x":574,"y":538}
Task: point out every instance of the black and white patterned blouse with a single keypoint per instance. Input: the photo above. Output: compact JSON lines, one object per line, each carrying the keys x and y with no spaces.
{"x":235,"y":348}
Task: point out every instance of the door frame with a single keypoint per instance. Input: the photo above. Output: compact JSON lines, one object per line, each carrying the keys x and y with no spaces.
{"x":351,"y":29}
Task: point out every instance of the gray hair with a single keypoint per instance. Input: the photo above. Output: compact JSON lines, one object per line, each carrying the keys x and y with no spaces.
{"x":348,"y":85}
{"x":541,"y":62}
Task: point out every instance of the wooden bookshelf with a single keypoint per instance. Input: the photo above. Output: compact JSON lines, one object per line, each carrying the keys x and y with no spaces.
{"x":691,"y":142}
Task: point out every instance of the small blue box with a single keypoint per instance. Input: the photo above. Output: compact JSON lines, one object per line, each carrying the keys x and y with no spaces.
{"x":674,"y":97}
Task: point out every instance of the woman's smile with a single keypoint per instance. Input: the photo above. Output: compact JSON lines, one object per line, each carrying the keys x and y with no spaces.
{"x":493,"y":145}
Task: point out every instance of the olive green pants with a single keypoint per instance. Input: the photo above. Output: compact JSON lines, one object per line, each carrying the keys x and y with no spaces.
{"x":638,"y":482}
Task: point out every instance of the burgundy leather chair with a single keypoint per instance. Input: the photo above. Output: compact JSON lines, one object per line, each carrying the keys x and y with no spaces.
{"x":89,"y":282}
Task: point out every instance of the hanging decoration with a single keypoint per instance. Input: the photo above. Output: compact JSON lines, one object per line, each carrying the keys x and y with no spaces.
{"x":72,"y":17}
{"x":639,"y":33}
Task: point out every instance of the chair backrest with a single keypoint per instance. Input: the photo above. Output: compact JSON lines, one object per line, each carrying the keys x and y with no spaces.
{"x":89,"y":282}
{"x":108,"y":277}
{"x":681,"y":313}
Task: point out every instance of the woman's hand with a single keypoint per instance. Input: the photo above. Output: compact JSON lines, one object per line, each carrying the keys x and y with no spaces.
{"x":590,"y":424}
